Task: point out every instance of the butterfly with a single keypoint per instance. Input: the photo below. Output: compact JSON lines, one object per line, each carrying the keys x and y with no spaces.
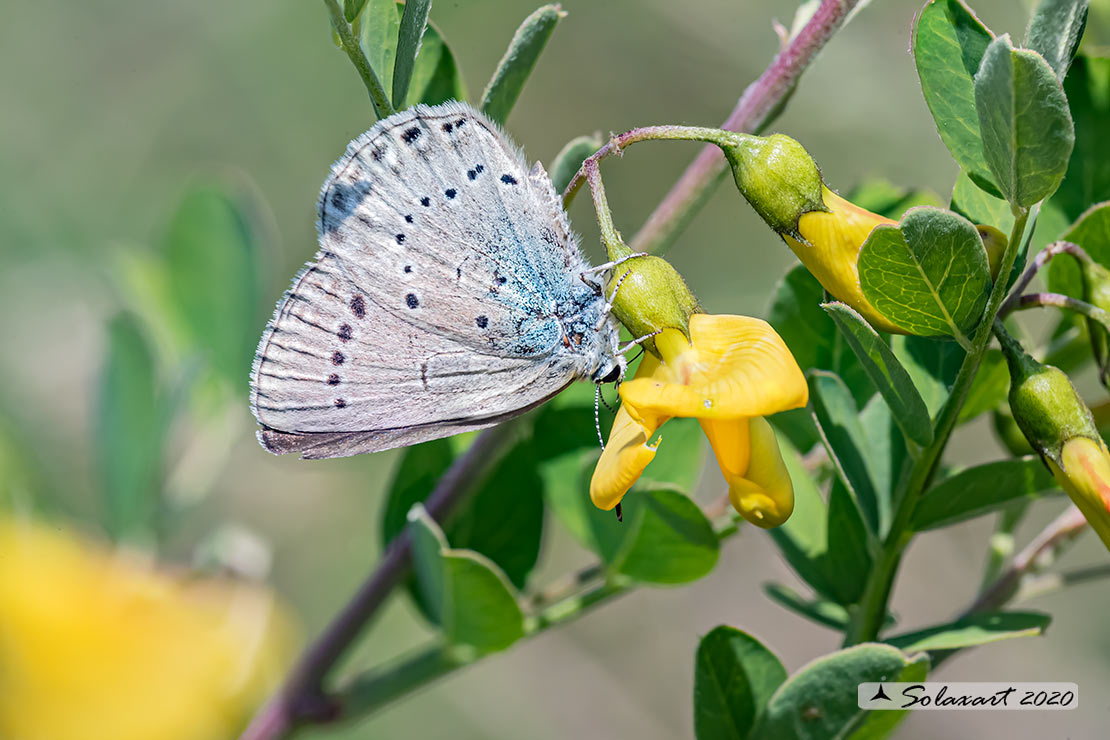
{"x":448,"y":295}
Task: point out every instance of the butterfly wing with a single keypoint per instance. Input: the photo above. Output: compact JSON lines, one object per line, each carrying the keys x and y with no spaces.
{"x":334,"y":376}
{"x":440,"y":301}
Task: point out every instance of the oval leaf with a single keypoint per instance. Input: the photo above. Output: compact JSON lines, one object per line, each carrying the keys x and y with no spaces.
{"x":211,"y":255}
{"x":888,"y":375}
{"x":470,"y":598}
{"x":130,"y":427}
{"x":820,"y":700}
{"x":1092,"y":232}
{"x":734,"y":676}
{"x":569,"y":159}
{"x":978,"y":629}
{"x":414,"y":19}
{"x":1054,"y":32}
{"x":981,"y":490}
{"x":948,"y":46}
{"x":515,"y":67}
{"x":1024,"y":122}
{"x":928,"y":275}
{"x":669,"y":539}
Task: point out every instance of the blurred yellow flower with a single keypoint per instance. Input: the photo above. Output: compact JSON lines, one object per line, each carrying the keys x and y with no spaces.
{"x":97,"y":645}
{"x":732,"y":371}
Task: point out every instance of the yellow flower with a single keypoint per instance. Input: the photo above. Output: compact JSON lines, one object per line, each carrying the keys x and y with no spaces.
{"x":732,"y":371}
{"x":1084,"y":474}
{"x":835,"y":239}
{"x":96,"y":644}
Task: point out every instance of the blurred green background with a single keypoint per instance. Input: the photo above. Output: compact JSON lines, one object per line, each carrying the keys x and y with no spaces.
{"x":112,"y":109}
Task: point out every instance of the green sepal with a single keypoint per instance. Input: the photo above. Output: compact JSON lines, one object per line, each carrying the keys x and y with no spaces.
{"x":778,"y":178}
{"x":651,"y":296}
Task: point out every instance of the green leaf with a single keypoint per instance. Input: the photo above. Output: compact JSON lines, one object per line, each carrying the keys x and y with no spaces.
{"x":931,"y":364}
{"x":503,"y":519}
{"x":1024,"y":122}
{"x":351,"y":9}
{"x":1054,"y":32}
{"x":436,"y":77}
{"x":569,"y":159}
{"x":414,"y":19}
{"x":668,"y":538}
{"x":886,"y":454}
{"x":734,"y":676}
{"x":822,"y":611}
{"x":820,"y":701}
{"x":948,"y":46}
{"x":1088,"y":178}
{"x":1092,"y":232}
{"x":838,"y":421}
{"x":130,"y":431}
{"x":928,"y":275}
{"x":211,"y":255}
{"x":981,"y":490}
{"x":379,"y":26}
{"x":888,"y":375}
{"x":795,"y":313}
{"x":978,"y":629}
{"x":803,"y":539}
{"x":848,"y":560}
{"x":515,"y":67}
{"x":989,"y":389}
{"x":886,"y":199}
{"x":469,"y":597}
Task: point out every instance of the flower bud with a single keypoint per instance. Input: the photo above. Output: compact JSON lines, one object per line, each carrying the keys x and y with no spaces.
{"x":994,"y":242}
{"x":650,"y":296}
{"x":1059,"y":425}
{"x":779,"y":179}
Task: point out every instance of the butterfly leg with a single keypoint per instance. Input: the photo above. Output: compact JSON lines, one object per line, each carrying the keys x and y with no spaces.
{"x":614,"y":263}
{"x":636,"y":342}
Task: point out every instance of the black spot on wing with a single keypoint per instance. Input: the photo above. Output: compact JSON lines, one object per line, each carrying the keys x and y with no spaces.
{"x":450,"y":193}
{"x":412,"y":301}
{"x":508,"y":179}
{"x":337,"y":358}
{"x":340,"y":403}
{"x":333,"y":379}
{"x":411,"y":134}
{"x":344,"y":333}
{"x":358,"y":307}
{"x":482,"y":322}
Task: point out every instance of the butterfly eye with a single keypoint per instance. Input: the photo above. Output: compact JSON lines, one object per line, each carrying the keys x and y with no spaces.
{"x":613,"y":376}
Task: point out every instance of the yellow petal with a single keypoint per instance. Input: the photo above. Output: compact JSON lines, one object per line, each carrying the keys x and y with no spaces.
{"x":731,"y":444}
{"x":1086,"y":479}
{"x":627,"y":452}
{"x":622,"y":461}
{"x":835,"y":239}
{"x":764,"y":495}
{"x":738,"y":366}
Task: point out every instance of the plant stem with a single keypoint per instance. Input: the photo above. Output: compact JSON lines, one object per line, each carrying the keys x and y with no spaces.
{"x":1032,"y":559}
{"x":618,"y":143}
{"x":1037,"y":300}
{"x":1043,"y":258}
{"x":303,"y":698}
{"x":868,"y":618}
{"x":382,"y":107}
{"x":757,"y":107}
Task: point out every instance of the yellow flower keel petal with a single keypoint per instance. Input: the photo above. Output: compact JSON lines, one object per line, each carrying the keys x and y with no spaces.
{"x":764,"y":495}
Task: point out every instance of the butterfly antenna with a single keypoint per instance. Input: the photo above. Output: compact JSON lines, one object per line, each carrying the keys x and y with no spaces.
{"x":597,"y":416}
{"x":606,"y":403}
